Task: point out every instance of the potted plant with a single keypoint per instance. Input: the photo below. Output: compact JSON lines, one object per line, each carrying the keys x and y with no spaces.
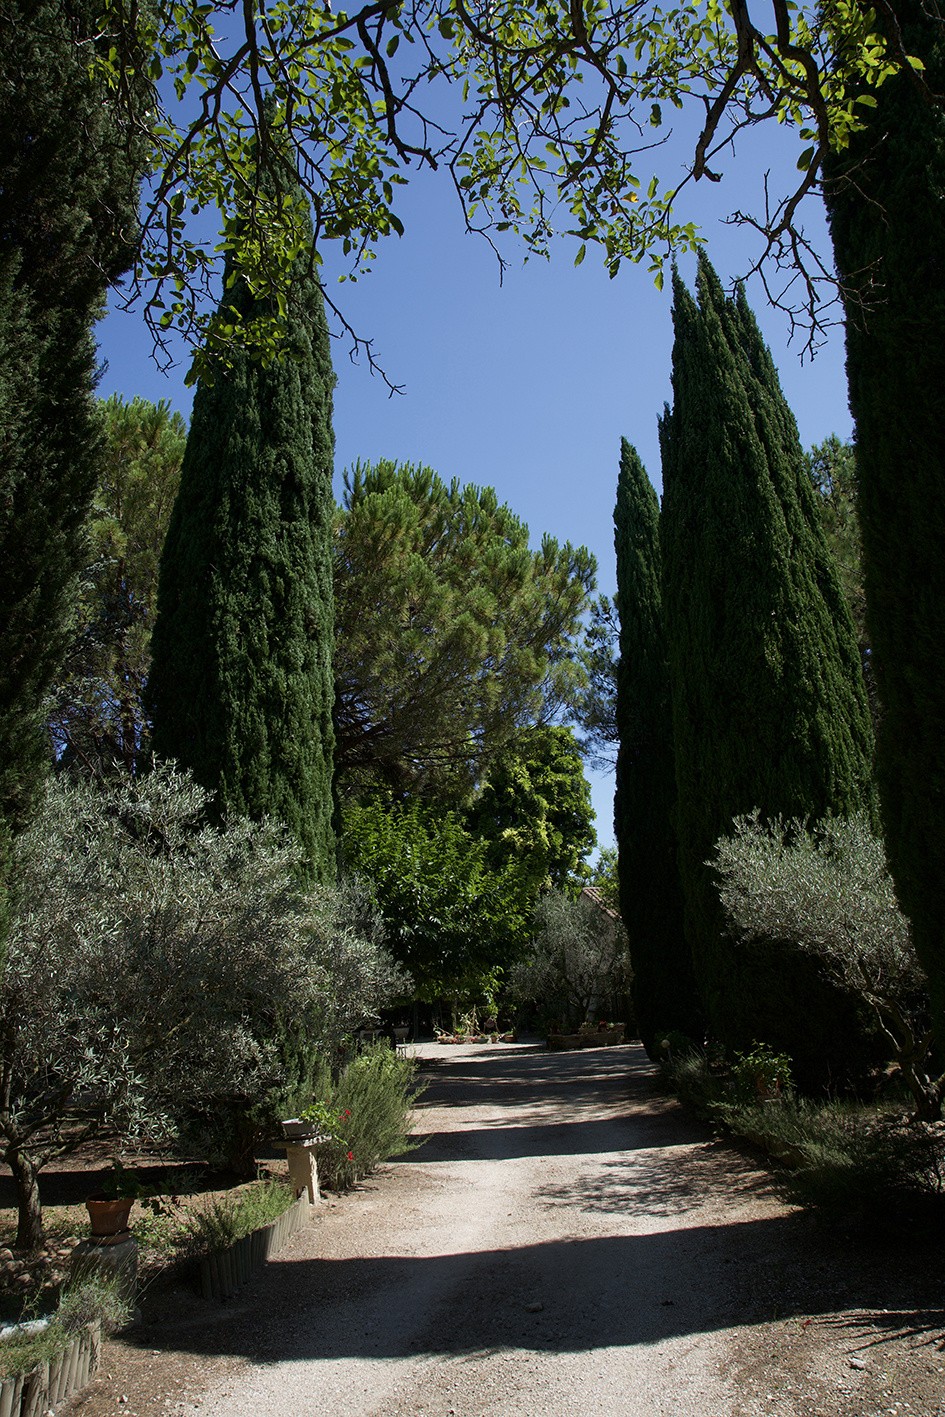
{"x":110,"y":1207}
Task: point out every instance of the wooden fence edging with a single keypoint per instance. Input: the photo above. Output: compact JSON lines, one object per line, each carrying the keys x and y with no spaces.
{"x":223,"y":1272}
{"x":41,"y":1389}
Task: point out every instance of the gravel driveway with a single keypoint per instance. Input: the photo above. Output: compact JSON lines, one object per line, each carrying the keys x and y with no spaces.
{"x":565,"y":1241}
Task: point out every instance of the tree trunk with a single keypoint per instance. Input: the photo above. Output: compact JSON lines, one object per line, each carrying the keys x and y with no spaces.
{"x":29,"y":1225}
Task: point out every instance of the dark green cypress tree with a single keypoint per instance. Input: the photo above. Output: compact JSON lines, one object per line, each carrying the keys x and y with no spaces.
{"x":884,"y":201}
{"x":769,"y":708}
{"x":241,"y":684}
{"x":665,"y":998}
{"x":69,"y":170}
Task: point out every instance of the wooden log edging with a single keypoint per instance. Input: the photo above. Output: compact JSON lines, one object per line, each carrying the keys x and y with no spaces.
{"x":223,"y":1272}
{"x":34,"y":1393}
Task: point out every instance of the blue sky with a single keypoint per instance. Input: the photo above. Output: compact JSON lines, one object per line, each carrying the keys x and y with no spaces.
{"x":527,"y":385}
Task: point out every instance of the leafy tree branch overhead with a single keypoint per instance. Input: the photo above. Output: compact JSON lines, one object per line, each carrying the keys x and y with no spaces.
{"x":543,"y":118}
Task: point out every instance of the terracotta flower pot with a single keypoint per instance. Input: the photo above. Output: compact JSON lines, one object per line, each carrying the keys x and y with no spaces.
{"x":109,"y":1216}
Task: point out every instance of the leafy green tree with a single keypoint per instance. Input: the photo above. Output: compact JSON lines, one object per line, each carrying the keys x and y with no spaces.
{"x":768,"y":704}
{"x":576,"y":960}
{"x":882,"y":197}
{"x":595,"y":706}
{"x":152,"y":964}
{"x":605,"y":877}
{"x":665,"y":997}
{"x":545,"y":116}
{"x":535,"y":808}
{"x":827,"y":889}
{"x":97,"y":716}
{"x":241,"y":681}
{"x":451,"y":916}
{"x":69,"y":171}
{"x":451,"y":633}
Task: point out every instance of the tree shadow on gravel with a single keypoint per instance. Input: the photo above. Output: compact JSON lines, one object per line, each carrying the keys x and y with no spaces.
{"x":566,"y":1296}
{"x":660,"y":1185}
{"x":530,"y":1076}
{"x":490,"y":1142}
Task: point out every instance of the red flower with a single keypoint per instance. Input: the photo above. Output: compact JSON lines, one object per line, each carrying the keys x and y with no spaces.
{"x":350,"y":1155}
{"x":346,"y":1113}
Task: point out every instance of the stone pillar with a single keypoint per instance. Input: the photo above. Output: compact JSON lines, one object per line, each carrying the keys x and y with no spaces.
{"x":303,"y":1168}
{"x":117,"y":1261}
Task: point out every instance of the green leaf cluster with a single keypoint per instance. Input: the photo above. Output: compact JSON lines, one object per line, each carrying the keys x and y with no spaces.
{"x":451,"y":915}
{"x":452,"y":632}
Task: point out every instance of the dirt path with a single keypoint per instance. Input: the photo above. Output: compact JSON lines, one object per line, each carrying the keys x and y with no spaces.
{"x":565,"y":1242}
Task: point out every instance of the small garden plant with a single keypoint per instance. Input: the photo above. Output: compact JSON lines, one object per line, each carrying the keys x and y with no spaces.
{"x":93,"y":1299}
{"x":221,"y":1223}
{"x":369,"y":1113}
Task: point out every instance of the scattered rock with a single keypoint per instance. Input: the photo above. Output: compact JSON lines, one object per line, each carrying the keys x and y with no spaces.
{"x":535,"y":1308}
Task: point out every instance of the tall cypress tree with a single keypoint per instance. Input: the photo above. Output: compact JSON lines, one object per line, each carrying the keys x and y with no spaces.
{"x":769,"y":708}
{"x":664,"y":989}
{"x":241,"y":683}
{"x":69,"y":170}
{"x":884,"y":201}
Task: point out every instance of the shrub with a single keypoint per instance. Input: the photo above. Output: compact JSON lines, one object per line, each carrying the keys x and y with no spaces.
{"x":846,"y":1158}
{"x":854,"y":1161}
{"x":377,"y":1091}
{"x":165,"y":976}
{"x":221,"y":1223}
{"x":827,"y":891}
{"x":92,"y":1299}
{"x":686,"y":1070}
{"x":761,"y":1074}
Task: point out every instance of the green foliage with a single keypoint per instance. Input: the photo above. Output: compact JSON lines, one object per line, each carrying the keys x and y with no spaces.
{"x":91,"y":1299}
{"x":761,"y":1074}
{"x":859,"y":1163}
{"x":768,"y":704}
{"x":577,"y":963}
{"x":664,"y":989}
{"x":828,"y":892}
{"x":158,"y":971}
{"x":450,"y":915}
{"x":542,"y":123}
{"x":605,"y":878}
{"x":241,"y":684}
{"x":451,"y":632}
{"x":373,"y":1099}
{"x":221,"y":1223}
{"x":94,"y":1298}
{"x":856,"y":1163}
{"x":68,"y":204}
{"x":595,"y":709}
{"x":534,"y":809}
{"x":881,"y":200}
{"x":97,"y":716}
